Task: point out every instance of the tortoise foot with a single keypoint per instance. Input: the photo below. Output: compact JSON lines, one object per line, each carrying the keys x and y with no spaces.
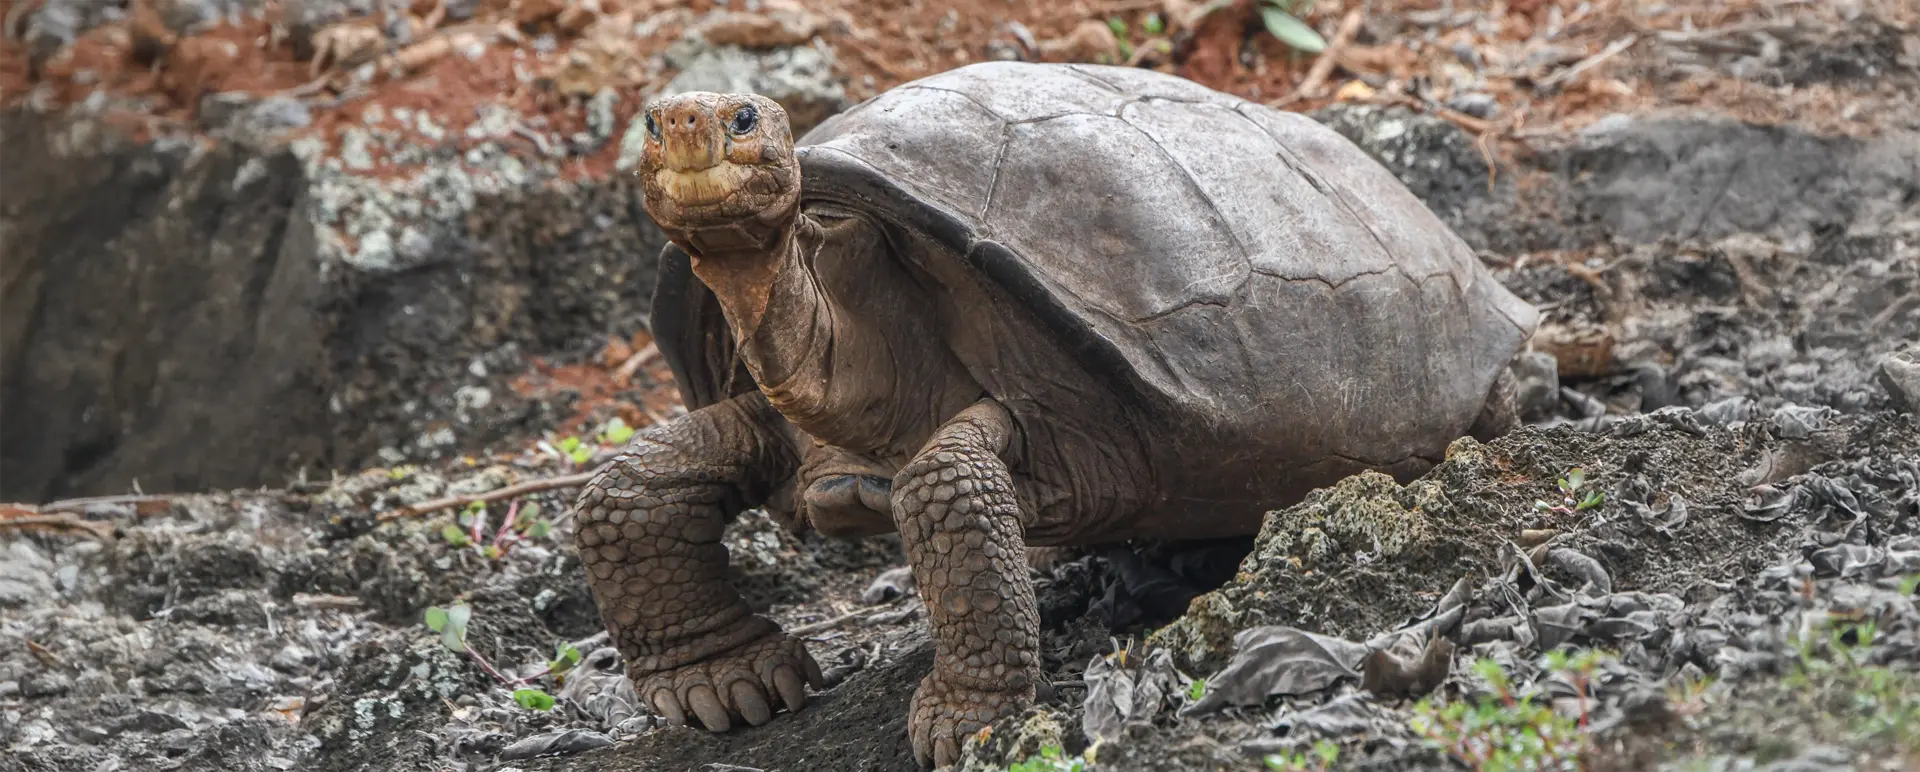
{"x":746,"y":684}
{"x":946,"y":710}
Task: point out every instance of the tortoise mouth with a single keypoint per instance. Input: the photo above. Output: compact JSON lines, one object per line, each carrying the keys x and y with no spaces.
{"x":703,"y":187}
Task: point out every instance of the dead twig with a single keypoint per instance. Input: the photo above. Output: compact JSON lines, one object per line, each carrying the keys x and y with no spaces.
{"x":1316,"y":79}
{"x":64,"y":521}
{"x":1612,"y":50}
{"x":623,"y":374}
{"x":511,"y":491}
{"x":81,"y":504}
{"x":842,"y":619}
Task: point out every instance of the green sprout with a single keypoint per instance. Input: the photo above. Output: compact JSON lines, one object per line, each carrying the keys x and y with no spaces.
{"x":1282,"y":20}
{"x":451,"y":623}
{"x":533,"y":699}
{"x":1322,"y":756}
{"x":616,"y":432}
{"x":1571,"y":499}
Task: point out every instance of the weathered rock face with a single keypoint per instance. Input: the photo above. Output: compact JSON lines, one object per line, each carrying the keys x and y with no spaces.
{"x":195,"y":313}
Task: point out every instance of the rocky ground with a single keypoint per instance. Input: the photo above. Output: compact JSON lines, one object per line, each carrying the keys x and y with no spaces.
{"x":431,"y":270}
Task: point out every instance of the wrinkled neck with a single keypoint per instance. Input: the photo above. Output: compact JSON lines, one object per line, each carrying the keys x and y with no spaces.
{"x":745,"y":280}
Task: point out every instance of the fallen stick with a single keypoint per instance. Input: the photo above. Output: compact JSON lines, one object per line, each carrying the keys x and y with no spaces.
{"x":1613,"y":49}
{"x":81,"y":504}
{"x":64,"y":521}
{"x":842,"y":619}
{"x":531,"y":486}
{"x":1322,"y":68}
{"x":624,"y":374}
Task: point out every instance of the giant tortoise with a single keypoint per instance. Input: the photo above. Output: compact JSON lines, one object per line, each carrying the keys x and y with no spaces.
{"x":1007,"y":305}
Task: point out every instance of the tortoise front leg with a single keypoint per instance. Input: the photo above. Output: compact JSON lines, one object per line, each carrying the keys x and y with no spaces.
{"x":649,"y":533}
{"x":963,"y":532}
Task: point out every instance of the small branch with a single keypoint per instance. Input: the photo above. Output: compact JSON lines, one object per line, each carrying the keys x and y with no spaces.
{"x":840,"y":620}
{"x":1323,"y":67}
{"x":1613,"y":49}
{"x":63,"y":521}
{"x":624,"y":374}
{"x":81,"y":505}
{"x":532,"y":486}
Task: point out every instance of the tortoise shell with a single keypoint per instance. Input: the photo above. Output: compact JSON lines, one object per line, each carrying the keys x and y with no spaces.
{"x":1251,"y":281}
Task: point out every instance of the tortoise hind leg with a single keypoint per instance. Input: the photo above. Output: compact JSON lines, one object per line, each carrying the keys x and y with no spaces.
{"x":648,"y":531}
{"x":1501,"y":412}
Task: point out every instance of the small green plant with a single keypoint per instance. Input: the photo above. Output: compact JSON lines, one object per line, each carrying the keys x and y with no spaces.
{"x":521,"y":524}
{"x":1282,"y":20}
{"x":1879,"y":702}
{"x":1508,"y":732}
{"x":575,"y":450}
{"x":1319,"y":759}
{"x":1571,"y":499}
{"x":616,"y":432}
{"x":533,"y":699}
{"x":451,"y":623}
{"x":1196,"y":689}
{"x":1052,"y":758}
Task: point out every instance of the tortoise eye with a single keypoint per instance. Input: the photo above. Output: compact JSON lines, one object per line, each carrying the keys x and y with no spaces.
{"x":653,"y":127}
{"x":745,"y":120}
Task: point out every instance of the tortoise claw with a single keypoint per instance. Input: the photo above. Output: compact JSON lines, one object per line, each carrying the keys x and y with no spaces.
{"x":792,"y":691}
{"x":668,"y":706}
{"x":706,"y":705}
{"x":751,"y":702}
{"x":743,"y":687}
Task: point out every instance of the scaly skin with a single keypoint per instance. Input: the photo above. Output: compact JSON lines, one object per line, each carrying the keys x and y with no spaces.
{"x":962,"y":528}
{"x":649,"y":535}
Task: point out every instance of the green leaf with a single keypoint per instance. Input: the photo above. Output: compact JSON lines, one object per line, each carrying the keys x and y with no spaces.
{"x":533,"y":699}
{"x":454,"y":535}
{"x":1119,"y":27}
{"x":1576,"y":477}
{"x":1910,"y":584}
{"x":565,"y":657}
{"x":569,"y":444}
{"x":1542,"y":506}
{"x":454,"y":634}
{"x":529,"y":511}
{"x":1327,"y":751}
{"x":617,"y":431}
{"x":581,"y":454}
{"x":539,"y":530}
{"x":1292,"y":31}
{"x":436,"y":618}
{"x":493,"y":552}
{"x":1153,"y":24}
{"x":1592,"y":499}
{"x":1196,"y":689}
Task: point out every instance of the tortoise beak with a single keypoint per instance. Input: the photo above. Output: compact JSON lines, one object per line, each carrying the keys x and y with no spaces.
{"x":690,"y":138}
{"x":694,"y":168}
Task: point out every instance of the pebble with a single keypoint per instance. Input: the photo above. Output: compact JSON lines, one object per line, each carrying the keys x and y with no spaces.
{"x":1899,"y":374}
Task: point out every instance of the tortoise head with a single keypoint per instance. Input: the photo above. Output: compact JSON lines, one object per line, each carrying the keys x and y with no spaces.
{"x":718,"y":170}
